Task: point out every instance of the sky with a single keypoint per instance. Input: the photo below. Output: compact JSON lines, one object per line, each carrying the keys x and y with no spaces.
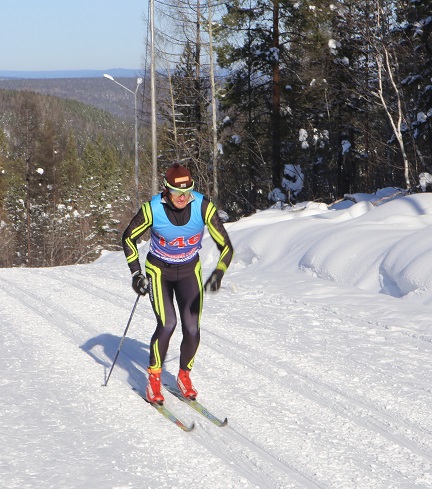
{"x":47,"y":35}
{"x":317,"y":348}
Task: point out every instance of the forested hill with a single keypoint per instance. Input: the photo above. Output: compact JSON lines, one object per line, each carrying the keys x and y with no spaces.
{"x":96,"y":91}
{"x":65,"y":186}
{"x":66,"y":114}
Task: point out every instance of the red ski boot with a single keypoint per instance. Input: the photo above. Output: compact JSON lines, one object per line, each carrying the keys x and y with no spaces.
{"x":153,"y":392}
{"x":184,"y":383}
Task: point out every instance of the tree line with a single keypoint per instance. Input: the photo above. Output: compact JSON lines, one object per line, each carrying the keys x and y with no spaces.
{"x":316,"y":99}
{"x":267,"y":101}
{"x":65,"y":180}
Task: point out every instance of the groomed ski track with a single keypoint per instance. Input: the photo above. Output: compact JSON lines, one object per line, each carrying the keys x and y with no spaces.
{"x":317,"y":396}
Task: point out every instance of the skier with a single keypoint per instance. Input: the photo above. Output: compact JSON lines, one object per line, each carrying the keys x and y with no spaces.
{"x":176,"y":218}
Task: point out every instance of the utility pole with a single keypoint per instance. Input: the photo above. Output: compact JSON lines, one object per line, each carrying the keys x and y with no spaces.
{"x":153,"y":102}
{"x":214,"y":120}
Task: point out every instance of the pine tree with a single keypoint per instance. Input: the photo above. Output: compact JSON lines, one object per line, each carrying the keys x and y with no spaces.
{"x":249,"y":47}
{"x":59,"y":204}
{"x":414,"y":30}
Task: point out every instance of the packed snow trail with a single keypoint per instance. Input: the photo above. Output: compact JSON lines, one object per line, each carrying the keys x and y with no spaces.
{"x":323,"y":385}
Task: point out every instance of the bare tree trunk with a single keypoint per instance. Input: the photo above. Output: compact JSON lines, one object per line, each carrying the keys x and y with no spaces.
{"x":384,"y":66}
{"x":198,"y":81}
{"x":213,"y":103}
{"x":396,"y":124}
{"x":174,"y":122}
{"x":28,"y":210}
{"x":276,"y":96}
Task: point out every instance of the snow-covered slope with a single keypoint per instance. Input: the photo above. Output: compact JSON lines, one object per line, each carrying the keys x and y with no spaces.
{"x":317,"y":348}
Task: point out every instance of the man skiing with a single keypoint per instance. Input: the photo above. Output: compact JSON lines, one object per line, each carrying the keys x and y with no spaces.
{"x":176,"y":218}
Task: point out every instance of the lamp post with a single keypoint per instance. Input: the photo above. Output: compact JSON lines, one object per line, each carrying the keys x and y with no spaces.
{"x":134,"y":93}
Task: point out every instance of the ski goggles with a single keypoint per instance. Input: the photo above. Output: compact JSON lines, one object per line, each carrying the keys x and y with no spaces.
{"x":178,"y":192}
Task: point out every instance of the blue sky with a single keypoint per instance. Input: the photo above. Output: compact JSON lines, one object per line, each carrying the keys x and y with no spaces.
{"x":72,"y":34}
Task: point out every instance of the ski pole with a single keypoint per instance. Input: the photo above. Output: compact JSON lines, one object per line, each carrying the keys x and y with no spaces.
{"x":122,"y":340}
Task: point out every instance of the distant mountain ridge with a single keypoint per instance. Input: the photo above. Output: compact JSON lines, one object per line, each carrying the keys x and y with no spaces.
{"x":96,"y":91}
{"x":31,"y":75}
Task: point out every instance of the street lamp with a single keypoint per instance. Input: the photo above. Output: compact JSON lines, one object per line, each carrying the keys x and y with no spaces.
{"x":139,"y":81}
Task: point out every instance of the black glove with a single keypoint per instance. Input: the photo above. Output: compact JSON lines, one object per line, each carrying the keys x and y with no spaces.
{"x":140,"y":283}
{"x":214,"y":281}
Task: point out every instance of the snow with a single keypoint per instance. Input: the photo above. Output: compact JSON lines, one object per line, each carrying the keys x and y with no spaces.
{"x":317,"y":348}
{"x":293,"y":179}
